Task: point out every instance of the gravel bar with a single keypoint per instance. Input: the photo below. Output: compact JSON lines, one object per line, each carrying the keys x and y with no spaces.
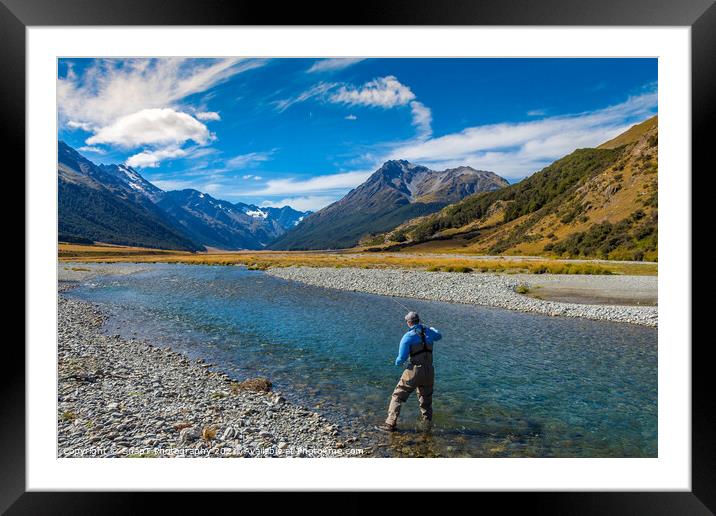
{"x":486,"y":289}
{"x":126,"y":398}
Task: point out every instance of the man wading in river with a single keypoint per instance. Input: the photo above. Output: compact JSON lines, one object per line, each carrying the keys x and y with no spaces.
{"x":416,"y":346}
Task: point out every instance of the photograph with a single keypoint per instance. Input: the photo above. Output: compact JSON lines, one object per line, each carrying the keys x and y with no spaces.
{"x":357,"y":257}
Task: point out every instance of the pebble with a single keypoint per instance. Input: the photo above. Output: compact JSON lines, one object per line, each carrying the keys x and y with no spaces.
{"x":486,"y":289}
{"x":116,"y":395}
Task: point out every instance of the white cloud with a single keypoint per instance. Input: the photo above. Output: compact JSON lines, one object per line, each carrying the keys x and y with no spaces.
{"x":201,"y":152}
{"x":318,"y":90}
{"x":112,"y":88}
{"x":212,"y":188}
{"x":385,"y":92}
{"x":305,"y":203}
{"x":153,"y":127}
{"x":208,"y":116}
{"x":422,"y":118}
{"x":252,"y":176}
{"x":537,"y":112}
{"x":173,"y":184}
{"x":94,"y":150}
{"x":515,"y":150}
{"x":151,"y":159}
{"x":247,"y":160}
{"x":73,"y":124}
{"x":137,"y":102}
{"x":214,"y":185}
{"x":332,"y":65}
{"x":325,"y":183}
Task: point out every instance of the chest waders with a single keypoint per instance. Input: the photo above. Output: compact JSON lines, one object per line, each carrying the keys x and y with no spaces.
{"x":418,"y":376}
{"x":424,"y":355}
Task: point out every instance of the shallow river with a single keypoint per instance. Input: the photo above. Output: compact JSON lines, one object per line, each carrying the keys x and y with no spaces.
{"x":507,"y":383}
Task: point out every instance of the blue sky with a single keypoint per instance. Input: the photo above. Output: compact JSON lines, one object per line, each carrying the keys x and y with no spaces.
{"x":303,"y":132}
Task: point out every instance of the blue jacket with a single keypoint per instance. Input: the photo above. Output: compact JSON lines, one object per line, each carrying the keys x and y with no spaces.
{"x":411,"y":337}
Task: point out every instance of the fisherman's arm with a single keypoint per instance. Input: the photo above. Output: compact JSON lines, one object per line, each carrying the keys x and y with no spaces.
{"x":435,"y":334}
{"x":403,"y":350}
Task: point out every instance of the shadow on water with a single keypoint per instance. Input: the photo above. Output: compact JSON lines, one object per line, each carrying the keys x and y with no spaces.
{"x":508,"y":384}
{"x":495,"y":442}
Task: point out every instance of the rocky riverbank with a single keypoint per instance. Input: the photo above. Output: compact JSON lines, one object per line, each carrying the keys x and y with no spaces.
{"x":495,"y":290}
{"x":126,"y":398}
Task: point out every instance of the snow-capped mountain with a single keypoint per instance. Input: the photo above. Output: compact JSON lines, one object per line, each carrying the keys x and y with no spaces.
{"x":286,"y":217}
{"x":257,"y":213}
{"x":224,"y":225}
{"x":131,"y":178}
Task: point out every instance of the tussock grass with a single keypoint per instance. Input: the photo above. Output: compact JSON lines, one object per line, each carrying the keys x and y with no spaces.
{"x":208,"y":433}
{"x":522,"y":289}
{"x":262,"y":260}
{"x":457,"y":268}
{"x":568,"y":268}
{"x":68,"y":416}
{"x":67,"y":249}
{"x":259,"y":384}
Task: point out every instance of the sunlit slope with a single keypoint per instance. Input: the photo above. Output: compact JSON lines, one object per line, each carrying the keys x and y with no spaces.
{"x":633,"y":134}
{"x":593,"y":203}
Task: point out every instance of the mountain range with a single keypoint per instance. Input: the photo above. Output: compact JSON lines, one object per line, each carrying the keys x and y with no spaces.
{"x":595,"y":202}
{"x":115,"y":204}
{"x":396,"y":192}
{"x":223,"y":225}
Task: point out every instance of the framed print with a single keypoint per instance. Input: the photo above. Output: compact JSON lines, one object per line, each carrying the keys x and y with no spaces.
{"x":416,"y":237}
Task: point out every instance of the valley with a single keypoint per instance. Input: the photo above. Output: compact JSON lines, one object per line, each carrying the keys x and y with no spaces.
{"x":256,"y":255}
{"x":598,"y":203}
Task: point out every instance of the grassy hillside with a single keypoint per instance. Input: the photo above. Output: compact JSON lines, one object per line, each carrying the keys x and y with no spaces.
{"x":593,"y":203}
{"x":93,"y":213}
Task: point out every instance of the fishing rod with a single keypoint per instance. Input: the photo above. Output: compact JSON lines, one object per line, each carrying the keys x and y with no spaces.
{"x":399,"y":303}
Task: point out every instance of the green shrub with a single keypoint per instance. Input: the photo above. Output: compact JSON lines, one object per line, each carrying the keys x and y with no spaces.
{"x":629,"y":239}
{"x":399,"y":236}
{"x":457,"y":268}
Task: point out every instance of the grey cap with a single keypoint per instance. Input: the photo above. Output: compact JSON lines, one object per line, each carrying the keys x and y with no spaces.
{"x":412,"y":318}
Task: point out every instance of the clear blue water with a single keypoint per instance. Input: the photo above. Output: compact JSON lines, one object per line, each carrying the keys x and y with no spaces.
{"x":507,"y":383}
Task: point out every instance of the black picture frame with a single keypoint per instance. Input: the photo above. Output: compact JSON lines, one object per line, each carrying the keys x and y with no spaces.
{"x":700,"y":15}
